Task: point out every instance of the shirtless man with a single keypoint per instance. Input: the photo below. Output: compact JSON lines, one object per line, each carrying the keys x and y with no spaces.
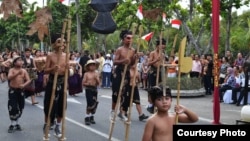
{"x":123,"y":55}
{"x":54,"y":64}
{"x":159,"y":127}
{"x":155,"y":60}
{"x":18,"y":79}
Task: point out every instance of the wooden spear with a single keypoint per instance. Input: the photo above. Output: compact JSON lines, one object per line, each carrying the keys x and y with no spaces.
{"x":185,"y":65}
{"x":66,"y":79}
{"x":54,"y":85}
{"x":120,"y":91}
{"x":133,"y":87}
{"x":158,"y":67}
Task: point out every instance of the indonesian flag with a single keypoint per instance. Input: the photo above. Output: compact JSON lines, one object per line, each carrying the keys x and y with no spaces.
{"x":176,"y":23}
{"x":139,"y":12}
{"x":148,"y":36}
{"x":66,"y":2}
{"x":164,"y":17}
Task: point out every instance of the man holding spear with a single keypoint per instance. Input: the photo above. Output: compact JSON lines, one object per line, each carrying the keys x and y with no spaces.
{"x":52,"y":67}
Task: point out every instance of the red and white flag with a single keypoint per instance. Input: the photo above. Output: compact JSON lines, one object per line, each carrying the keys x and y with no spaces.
{"x":164,"y":17}
{"x":66,"y":2}
{"x":176,"y":23}
{"x":148,"y":36}
{"x":139,"y":12}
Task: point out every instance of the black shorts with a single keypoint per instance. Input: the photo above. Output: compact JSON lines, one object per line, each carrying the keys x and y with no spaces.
{"x":116,"y":81}
{"x":57,"y":107}
{"x":91,"y":97}
{"x":127,"y":95}
{"x":15,"y":103}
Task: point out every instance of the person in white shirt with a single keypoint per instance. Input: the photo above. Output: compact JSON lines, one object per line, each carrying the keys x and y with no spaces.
{"x":106,"y":72}
{"x":196,"y":67}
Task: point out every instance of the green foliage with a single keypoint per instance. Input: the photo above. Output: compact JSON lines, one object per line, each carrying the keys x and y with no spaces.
{"x":185,"y":83}
{"x":124,"y":16}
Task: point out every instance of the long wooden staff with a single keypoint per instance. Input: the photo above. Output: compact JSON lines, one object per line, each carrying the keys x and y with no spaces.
{"x":66,"y":79}
{"x":54,"y":83}
{"x":120,"y":91}
{"x":165,"y":72}
{"x":185,"y":65}
{"x":158,"y":67}
{"x":133,"y":87}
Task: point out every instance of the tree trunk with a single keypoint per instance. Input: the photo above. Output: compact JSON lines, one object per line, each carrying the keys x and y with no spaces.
{"x":228,"y":28}
{"x":191,"y":7}
{"x":79,"y":36}
{"x":190,"y":35}
{"x":191,"y":38}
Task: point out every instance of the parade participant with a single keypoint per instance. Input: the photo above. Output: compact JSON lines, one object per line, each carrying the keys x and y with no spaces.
{"x":7,"y":63}
{"x":159,"y":127}
{"x":154,"y":61}
{"x":18,"y":79}
{"x":39,"y":63}
{"x":75,"y":79}
{"x":126,"y":95}
{"x":55,"y":65}
{"x":91,"y":81}
{"x":83,"y":60}
{"x":29,"y":91}
{"x":124,"y":55}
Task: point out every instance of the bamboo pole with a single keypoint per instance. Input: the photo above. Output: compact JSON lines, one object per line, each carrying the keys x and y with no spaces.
{"x":54,"y":84}
{"x":133,"y":87}
{"x":158,"y":67}
{"x":185,"y":65}
{"x":120,"y":91}
{"x":174,"y":45}
{"x":178,"y":85}
{"x":66,"y":79}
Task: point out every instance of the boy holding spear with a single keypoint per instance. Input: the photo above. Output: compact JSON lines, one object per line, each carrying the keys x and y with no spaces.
{"x":159,"y":126}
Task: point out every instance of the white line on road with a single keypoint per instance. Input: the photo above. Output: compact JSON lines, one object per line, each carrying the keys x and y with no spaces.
{"x":105,"y":96}
{"x":81,"y":125}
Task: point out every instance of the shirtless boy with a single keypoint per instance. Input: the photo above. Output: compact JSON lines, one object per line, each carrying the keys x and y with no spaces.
{"x":91,"y":80}
{"x":159,"y":126}
{"x":18,"y":79}
{"x":52,"y":66}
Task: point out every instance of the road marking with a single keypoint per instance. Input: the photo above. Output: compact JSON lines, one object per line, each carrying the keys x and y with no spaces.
{"x":233,"y":111}
{"x":105,"y":96}
{"x":81,"y":125}
{"x":91,"y":129}
{"x":73,"y":100}
{"x":208,"y":120}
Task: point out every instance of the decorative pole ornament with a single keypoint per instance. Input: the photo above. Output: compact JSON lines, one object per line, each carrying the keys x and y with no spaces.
{"x":11,"y":6}
{"x":103,"y":23}
{"x":215,"y":31}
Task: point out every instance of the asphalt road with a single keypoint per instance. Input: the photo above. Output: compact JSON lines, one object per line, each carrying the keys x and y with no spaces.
{"x":32,"y":119}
